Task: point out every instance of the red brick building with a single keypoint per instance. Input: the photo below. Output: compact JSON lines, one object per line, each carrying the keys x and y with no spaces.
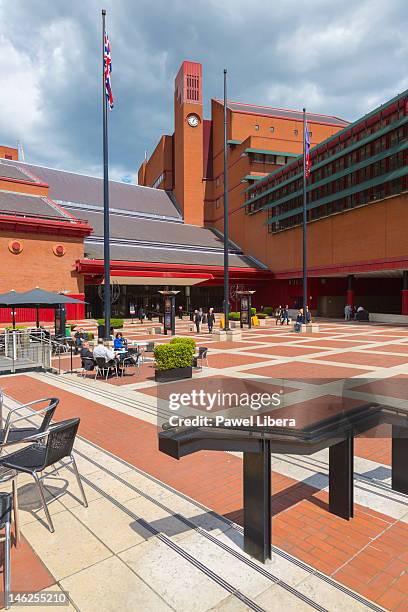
{"x":167,"y":231}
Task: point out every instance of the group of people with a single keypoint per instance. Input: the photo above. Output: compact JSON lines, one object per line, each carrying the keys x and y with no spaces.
{"x":352,"y":313}
{"x":102,"y":351}
{"x":201,"y":317}
{"x":301,"y":319}
{"x":282,"y":315}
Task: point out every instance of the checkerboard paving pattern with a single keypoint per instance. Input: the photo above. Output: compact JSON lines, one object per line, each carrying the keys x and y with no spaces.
{"x":367,"y":555}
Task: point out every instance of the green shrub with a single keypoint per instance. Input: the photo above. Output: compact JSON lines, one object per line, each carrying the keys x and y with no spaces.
{"x":253,"y":312}
{"x":90,"y":336}
{"x":186,"y":341}
{"x":175,"y":355}
{"x":234,"y":316}
{"x":261,"y":315}
{"x":268,"y":310}
{"x":16,"y":327}
{"x":115,"y":323}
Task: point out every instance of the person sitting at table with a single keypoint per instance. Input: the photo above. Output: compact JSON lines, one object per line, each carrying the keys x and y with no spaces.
{"x":79,"y":339}
{"x":119,"y":342}
{"x":103,"y":351}
{"x":87,"y":355}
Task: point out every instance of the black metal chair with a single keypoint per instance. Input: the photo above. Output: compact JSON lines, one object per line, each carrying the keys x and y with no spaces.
{"x":149,"y":347}
{"x":15,"y":434}
{"x":88,"y":365}
{"x":130,"y":360}
{"x":104,"y":367}
{"x":37,"y":457}
{"x":6,"y":506}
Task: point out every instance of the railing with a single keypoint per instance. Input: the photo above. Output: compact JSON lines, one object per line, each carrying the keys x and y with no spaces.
{"x":27,"y":348}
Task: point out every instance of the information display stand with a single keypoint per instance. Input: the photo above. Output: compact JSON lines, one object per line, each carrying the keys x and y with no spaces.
{"x":245,"y":308}
{"x":169,"y":309}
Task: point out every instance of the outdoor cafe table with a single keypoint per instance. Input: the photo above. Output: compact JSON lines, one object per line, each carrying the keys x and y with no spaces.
{"x":318,"y":429}
{"x":142,"y":344}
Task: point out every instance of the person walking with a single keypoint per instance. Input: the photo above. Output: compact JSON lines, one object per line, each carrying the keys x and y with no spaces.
{"x":278,"y":314}
{"x":347,"y":312}
{"x":180,"y":312}
{"x":141,"y":314}
{"x":285,"y":315}
{"x":197,"y":320}
{"x":210,"y":320}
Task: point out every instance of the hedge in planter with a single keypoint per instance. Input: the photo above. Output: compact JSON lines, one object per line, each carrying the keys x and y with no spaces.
{"x":268,"y":310}
{"x":234,"y":316}
{"x":173,"y":361}
{"x":187,"y":341}
{"x":115,"y":323}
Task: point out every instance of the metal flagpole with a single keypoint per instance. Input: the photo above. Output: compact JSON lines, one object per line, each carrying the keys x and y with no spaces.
{"x":226,"y":270}
{"x":106,"y":246}
{"x":304,"y":221}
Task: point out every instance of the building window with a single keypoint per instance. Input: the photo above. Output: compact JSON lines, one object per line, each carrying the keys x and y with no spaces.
{"x":296,"y":132}
{"x":257,"y":128}
{"x":280,"y":160}
{"x":271,"y":129}
{"x":158,"y":181}
{"x":8,"y":156}
{"x":310,"y":134}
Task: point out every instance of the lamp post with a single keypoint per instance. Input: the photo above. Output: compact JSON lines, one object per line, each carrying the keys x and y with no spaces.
{"x":226,"y":264}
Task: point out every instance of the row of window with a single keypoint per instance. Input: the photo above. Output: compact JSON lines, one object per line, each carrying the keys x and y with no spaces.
{"x":354,"y":200}
{"x":349,"y":160}
{"x":272,"y":129}
{"x":350,"y":180}
{"x":359,"y":154}
{"x":266,"y":158}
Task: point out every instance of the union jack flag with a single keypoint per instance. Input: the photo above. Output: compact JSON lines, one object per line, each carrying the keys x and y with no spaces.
{"x":307,"y":149}
{"x":108,"y":69}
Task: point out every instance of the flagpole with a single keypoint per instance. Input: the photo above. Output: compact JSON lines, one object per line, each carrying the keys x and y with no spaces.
{"x":304,"y":221}
{"x":106,"y":246}
{"x":226,"y":232}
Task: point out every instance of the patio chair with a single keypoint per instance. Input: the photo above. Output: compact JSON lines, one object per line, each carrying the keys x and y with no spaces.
{"x":131,"y":360}
{"x":13,"y":435}
{"x":104,"y":367}
{"x":149,"y":347}
{"x":87,"y":361}
{"x":201,"y":356}
{"x":58,"y":442}
{"x":6,"y":505}
{"x":10,"y":433}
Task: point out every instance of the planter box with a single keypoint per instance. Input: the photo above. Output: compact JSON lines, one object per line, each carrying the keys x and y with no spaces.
{"x":220,"y":335}
{"x":262,"y":322}
{"x":173,"y":374}
{"x":234,"y":335}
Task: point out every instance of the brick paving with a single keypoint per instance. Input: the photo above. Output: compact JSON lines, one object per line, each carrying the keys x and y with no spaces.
{"x":367,"y":554}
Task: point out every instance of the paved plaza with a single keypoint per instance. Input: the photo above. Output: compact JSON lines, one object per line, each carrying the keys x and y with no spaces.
{"x":161,"y":534}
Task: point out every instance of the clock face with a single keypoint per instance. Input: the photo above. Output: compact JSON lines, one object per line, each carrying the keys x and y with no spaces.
{"x":193,"y":120}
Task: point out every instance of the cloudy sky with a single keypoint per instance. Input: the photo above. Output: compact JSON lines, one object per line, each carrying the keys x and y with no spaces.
{"x":337,"y":57}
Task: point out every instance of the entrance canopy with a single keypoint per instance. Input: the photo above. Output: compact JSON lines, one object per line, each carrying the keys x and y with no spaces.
{"x":159,"y":278}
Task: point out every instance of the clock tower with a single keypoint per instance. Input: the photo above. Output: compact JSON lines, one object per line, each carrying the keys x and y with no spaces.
{"x":188,"y":142}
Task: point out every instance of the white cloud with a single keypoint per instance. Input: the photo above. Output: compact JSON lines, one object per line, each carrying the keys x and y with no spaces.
{"x":21,"y":100}
{"x":338,"y":57}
